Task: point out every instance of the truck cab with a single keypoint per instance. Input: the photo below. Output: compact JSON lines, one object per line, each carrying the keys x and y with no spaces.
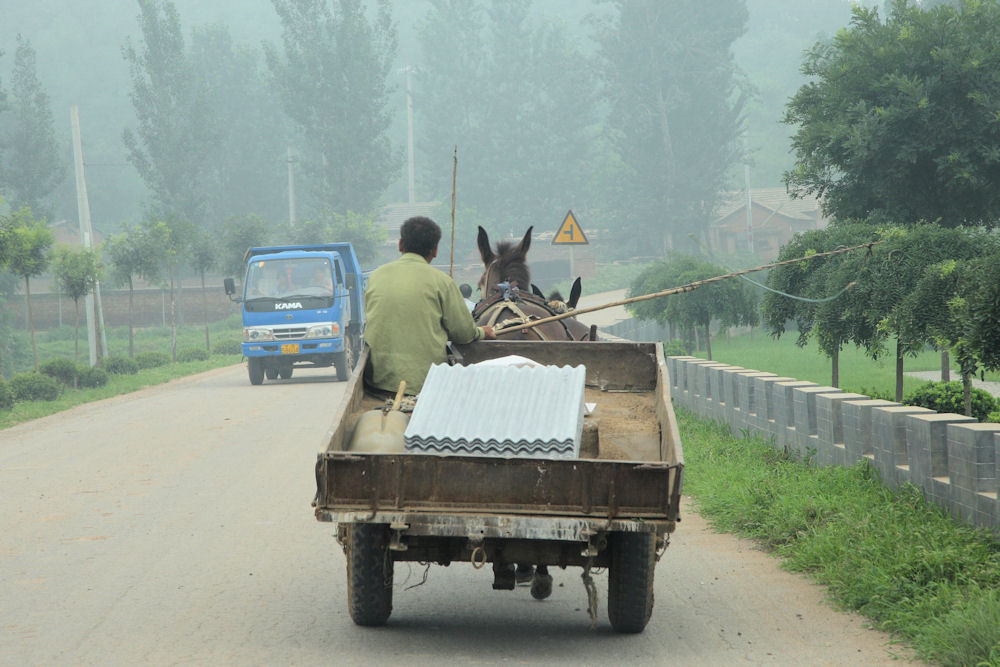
{"x":302,"y":306}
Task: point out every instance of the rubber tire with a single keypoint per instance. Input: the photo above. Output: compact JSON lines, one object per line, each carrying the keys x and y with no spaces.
{"x":271,"y":372}
{"x":630,"y":581}
{"x":344,"y":360}
{"x":285,"y":372}
{"x":255,"y":368}
{"x":369,"y":574}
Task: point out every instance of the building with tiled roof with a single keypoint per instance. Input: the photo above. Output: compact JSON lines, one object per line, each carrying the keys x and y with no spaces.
{"x":775,"y":218}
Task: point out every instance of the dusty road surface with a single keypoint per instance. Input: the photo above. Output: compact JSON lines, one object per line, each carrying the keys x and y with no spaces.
{"x":172,"y":526}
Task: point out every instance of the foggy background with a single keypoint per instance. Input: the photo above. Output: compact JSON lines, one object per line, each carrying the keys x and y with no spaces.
{"x":553,"y":104}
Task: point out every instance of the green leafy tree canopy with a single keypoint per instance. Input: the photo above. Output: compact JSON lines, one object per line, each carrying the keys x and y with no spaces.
{"x":901,"y":115}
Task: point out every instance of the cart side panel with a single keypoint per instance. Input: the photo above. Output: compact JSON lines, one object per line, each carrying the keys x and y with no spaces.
{"x":386,"y":482}
{"x":336,"y":437}
{"x":671,"y":450}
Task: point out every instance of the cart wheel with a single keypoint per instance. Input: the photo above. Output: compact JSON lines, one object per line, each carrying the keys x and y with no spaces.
{"x":285,"y":372}
{"x":344,"y":360}
{"x":255,"y":367}
{"x":369,"y":574}
{"x":270,"y":372}
{"x":630,"y":581}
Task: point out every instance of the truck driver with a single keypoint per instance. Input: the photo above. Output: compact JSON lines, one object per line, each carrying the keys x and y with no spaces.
{"x":412,"y":310}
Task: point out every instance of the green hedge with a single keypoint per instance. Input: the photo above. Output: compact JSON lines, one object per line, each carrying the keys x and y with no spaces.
{"x":949,"y":397}
{"x":192,"y":354}
{"x":228,"y":346}
{"x":6,"y":396}
{"x":121,"y":365}
{"x":61,"y":369}
{"x":34,"y":387}
{"x":152,"y":359}
{"x":92,"y":377}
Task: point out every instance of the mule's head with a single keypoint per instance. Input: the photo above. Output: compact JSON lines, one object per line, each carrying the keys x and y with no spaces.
{"x":506,"y":265}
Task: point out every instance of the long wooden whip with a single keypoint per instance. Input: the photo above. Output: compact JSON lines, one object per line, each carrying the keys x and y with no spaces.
{"x":454,"y":173}
{"x":676,"y":290}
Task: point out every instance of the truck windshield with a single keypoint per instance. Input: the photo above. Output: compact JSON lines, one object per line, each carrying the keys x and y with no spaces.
{"x":287,"y":278}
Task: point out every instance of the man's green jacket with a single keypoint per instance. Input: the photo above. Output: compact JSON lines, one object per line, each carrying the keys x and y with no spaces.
{"x":412,"y":310}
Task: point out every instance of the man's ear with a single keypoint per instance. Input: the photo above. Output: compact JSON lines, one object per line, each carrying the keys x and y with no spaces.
{"x":434,"y":253}
{"x":400,"y":245}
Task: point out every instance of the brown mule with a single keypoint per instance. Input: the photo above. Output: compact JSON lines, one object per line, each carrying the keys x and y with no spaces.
{"x":508,"y":297}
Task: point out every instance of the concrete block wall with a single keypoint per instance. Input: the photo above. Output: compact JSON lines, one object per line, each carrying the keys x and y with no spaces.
{"x":952,"y":458}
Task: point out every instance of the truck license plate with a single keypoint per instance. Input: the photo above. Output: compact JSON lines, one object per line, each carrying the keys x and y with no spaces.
{"x":290,"y":348}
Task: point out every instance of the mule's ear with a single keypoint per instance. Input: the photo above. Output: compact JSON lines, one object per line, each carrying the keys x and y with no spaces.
{"x":537,"y":292}
{"x":574,"y":293}
{"x":525,"y":242}
{"x":484,"y":247}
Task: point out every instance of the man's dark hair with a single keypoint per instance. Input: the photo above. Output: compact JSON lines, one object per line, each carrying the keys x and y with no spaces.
{"x":465,"y":289}
{"x":420,"y":235}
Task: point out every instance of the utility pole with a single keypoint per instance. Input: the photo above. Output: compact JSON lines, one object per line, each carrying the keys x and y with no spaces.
{"x":291,"y":189}
{"x":749,"y":202}
{"x":408,"y":70}
{"x":86,"y":237}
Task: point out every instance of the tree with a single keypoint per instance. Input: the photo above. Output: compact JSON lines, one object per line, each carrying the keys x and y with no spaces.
{"x":900,"y":117}
{"x":983,"y":333}
{"x":173,"y":236}
{"x":810,"y":293}
{"x":675,"y":101}
{"x":201,"y":256}
{"x":245,"y":173}
{"x":333,"y":82}
{"x":28,"y":256}
{"x":872,"y":310}
{"x":450,"y":92}
{"x":33,"y":168}
{"x":519,"y":104}
{"x":237,"y":236}
{"x":134,"y":253}
{"x":77,"y":270}
{"x":175,"y":134}
{"x":730,"y":302}
{"x":358,"y":230}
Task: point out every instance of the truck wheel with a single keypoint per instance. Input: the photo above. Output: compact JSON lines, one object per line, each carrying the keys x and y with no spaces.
{"x":285,"y":372}
{"x":369,"y":574}
{"x":270,"y":372}
{"x":344,"y":360}
{"x":256,"y":370}
{"x":630,"y":581}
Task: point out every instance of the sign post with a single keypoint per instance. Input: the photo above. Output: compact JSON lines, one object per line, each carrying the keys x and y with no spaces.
{"x":570,"y":233}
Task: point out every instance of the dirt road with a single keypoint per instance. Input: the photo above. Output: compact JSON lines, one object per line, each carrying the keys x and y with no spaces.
{"x":172,"y":526}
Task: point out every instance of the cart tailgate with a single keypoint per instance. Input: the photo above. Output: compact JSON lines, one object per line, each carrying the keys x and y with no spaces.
{"x":579,"y":487}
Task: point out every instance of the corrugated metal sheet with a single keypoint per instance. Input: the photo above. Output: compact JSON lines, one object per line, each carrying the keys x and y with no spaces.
{"x":499,"y":411}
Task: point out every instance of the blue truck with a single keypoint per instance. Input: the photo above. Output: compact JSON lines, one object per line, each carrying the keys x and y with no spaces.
{"x":303,"y":305}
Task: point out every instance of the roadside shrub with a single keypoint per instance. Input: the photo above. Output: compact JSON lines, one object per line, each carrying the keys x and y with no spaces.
{"x":6,"y":396}
{"x":34,"y":387}
{"x":61,"y":369}
{"x":92,"y":377}
{"x":993,"y":417}
{"x":227,"y":346}
{"x":121,"y":366}
{"x":192,"y":354}
{"x":673,"y":348}
{"x":948,"y":397}
{"x":152,"y":359}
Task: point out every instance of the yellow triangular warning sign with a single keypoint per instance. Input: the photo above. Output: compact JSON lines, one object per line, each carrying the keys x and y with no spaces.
{"x":569,"y":232}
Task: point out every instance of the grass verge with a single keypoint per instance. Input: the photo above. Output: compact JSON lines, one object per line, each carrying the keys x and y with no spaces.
{"x":857,"y":371}
{"x":117,"y":385}
{"x":887,"y":554}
